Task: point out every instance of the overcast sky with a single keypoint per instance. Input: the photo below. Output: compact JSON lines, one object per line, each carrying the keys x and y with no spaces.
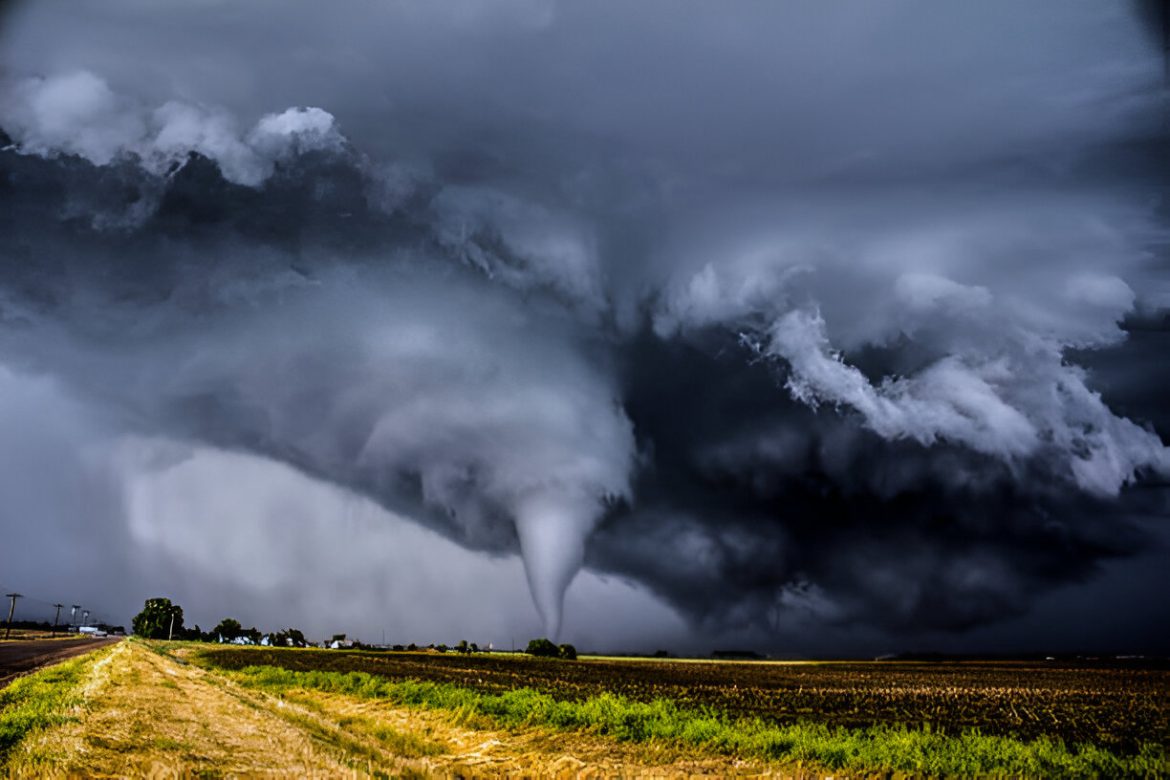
{"x":816,"y":328}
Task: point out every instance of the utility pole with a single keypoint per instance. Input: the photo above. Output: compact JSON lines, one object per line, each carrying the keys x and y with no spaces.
{"x":11,"y":610}
{"x":85,"y":617}
{"x":57,"y":617}
{"x":73,"y":613}
{"x":171,"y":630}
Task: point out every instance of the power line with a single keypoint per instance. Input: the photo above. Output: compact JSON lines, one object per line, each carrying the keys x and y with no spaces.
{"x":46,"y":613}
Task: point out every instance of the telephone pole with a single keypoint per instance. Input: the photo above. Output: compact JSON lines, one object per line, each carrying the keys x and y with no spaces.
{"x":11,"y":610}
{"x":171,"y":630}
{"x":57,"y":617}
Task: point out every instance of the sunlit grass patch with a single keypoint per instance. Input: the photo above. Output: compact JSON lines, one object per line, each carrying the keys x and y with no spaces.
{"x":874,"y":748}
{"x":397,"y":742}
{"x":40,"y":700}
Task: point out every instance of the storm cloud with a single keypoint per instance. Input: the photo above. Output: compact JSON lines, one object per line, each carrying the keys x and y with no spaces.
{"x":802,"y":319}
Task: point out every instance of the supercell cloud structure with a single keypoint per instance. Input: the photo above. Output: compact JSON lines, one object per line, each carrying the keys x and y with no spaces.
{"x":797,"y":317}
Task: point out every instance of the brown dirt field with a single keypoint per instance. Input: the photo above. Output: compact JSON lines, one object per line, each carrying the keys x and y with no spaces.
{"x":150,"y":715}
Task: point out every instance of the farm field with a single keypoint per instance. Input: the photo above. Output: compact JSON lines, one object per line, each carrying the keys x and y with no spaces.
{"x":1116,"y":707}
{"x":184,"y":708}
{"x":846,"y":719}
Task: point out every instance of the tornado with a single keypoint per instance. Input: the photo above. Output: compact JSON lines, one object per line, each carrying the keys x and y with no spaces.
{"x":552,"y":532}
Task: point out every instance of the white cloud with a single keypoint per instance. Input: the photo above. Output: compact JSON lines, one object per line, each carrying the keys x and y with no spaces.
{"x":77,"y":113}
{"x":1012,"y":406}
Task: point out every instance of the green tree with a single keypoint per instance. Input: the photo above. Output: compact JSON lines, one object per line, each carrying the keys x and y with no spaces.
{"x":154,"y":621}
{"x":228,"y":629}
{"x":290,"y":638}
{"x":568,"y":652}
{"x":542,"y":648}
{"x":462,"y":647}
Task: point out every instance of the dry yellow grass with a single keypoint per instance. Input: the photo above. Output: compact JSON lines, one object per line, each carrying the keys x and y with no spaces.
{"x":151,"y":715}
{"x":473,"y":751}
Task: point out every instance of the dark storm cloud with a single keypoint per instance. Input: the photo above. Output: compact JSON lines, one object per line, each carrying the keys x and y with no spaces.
{"x":799,"y":316}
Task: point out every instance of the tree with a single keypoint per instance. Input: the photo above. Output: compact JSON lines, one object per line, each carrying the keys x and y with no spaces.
{"x":154,"y":621}
{"x":228,"y":629}
{"x":568,"y":652}
{"x":462,"y":647}
{"x":542,"y":648}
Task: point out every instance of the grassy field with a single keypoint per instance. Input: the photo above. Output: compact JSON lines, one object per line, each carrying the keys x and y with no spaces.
{"x":178,"y":709}
{"x":41,"y":700}
{"x":129,"y":711}
{"x":936,"y":719}
{"x":141,"y":709}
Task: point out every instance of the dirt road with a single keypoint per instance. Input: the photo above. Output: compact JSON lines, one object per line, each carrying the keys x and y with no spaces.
{"x":17,"y":658}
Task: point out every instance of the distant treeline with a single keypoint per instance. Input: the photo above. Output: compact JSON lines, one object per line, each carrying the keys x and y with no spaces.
{"x":162,"y":619}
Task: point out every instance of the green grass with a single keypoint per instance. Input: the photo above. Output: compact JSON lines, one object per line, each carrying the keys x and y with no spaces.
{"x":39,"y":700}
{"x":397,"y":742}
{"x":875,"y":748}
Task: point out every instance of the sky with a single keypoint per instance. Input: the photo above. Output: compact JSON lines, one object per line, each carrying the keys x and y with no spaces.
{"x":817,"y":329}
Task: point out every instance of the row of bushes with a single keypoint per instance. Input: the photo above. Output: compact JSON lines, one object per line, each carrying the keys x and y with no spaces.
{"x":544,"y":648}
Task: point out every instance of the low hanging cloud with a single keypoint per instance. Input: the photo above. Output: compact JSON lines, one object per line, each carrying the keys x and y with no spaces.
{"x":786,"y":375}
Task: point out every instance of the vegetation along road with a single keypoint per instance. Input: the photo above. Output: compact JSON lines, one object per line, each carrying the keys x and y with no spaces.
{"x":21,"y":657}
